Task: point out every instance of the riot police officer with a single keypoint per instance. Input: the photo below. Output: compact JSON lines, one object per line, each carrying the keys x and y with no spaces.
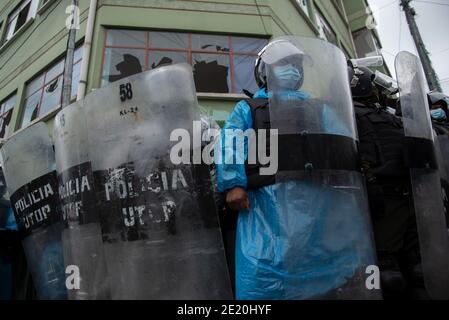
{"x":303,"y":231}
{"x":438,"y":103}
{"x":381,"y":137}
{"x":422,"y":159}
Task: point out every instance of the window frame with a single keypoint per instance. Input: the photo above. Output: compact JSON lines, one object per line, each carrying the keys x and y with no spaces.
{"x":373,"y":39}
{"x":11,"y":20}
{"x":189,"y":51}
{"x":3,"y":113}
{"x":41,"y":89}
{"x":44,"y":5}
{"x":321,"y":19}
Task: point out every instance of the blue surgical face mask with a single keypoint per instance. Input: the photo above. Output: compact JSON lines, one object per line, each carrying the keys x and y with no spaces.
{"x":438,"y":114}
{"x":287,"y":76}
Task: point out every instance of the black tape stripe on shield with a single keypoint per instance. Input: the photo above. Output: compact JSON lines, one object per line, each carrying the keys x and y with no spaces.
{"x":35,"y":205}
{"x":317,"y":152}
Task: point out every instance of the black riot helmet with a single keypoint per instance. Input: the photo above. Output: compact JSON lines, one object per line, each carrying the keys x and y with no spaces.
{"x":438,"y":98}
{"x":361,"y":81}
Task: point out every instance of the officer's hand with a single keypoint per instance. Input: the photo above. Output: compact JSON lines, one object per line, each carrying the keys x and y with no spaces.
{"x":237,"y":199}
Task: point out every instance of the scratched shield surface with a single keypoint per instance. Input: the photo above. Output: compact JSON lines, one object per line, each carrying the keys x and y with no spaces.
{"x":28,"y":163}
{"x":159,"y":223}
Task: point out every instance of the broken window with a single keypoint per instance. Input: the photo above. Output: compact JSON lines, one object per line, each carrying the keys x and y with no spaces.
{"x":169,"y":40}
{"x":6,"y":110}
{"x":245,"y":80}
{"x":24,"y":12}
{"x":163,"y":58}
{"x":221,"y":64}
{"x":44,"y":93}
{"x":120,"y":63}
{"x":126,"y":38}
{"x":211,"y":73}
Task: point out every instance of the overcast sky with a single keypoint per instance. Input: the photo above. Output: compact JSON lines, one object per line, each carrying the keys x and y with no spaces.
{"x":433,"y":23}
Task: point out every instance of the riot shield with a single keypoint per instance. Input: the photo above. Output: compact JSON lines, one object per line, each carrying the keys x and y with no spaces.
{"x":317,"y":146}
{"x":426,"y":186}
{"x":443,"y":142}
{"x":442,"y":153}
{"x":29,"y":161}
{"x":81,"y":237}
{"x":6,"y":218}
{"x":159,"y":223}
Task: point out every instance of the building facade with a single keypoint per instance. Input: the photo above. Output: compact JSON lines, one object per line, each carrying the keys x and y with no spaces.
{"x":220,"y":39}
{"x":363,"y":29}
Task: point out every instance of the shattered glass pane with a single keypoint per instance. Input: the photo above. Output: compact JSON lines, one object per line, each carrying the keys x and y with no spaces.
{"x":248,"y":45}
{"x":52,"y":96}
{"x":210,"y":43}
{"x":31,"y":108}
{"x":168,"y":40}
{"x":244,"y":75}
{"x":211,"y":73}
{"x":122,"y":63}
{"x":75,"y":79}
{"x":163,"y":58}
{"x":126,"y":38}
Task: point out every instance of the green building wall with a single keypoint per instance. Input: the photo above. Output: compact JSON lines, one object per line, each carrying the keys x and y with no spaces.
{"x":44,"y":40}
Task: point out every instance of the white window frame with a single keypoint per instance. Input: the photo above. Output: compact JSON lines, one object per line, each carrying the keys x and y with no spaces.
{"x":44,"y":4}
{"x":10,"y":28}
{"x":42,"y":116}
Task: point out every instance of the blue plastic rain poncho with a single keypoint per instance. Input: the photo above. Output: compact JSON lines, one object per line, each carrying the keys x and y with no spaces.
{"x":10,"y":221}
{"x":291,"y":243}
{"x":7,"y":224}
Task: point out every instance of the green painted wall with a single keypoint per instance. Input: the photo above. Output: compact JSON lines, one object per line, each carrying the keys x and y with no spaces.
{"x":36,"y":47}
{"x":44,"y":40}
{"x":357,"y":13}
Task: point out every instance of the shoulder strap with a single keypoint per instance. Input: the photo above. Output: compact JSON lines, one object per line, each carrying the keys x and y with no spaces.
{"x":255,"y":104}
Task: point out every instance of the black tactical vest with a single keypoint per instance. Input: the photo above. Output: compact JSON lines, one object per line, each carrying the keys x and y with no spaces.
{"x":298,"y":151}
{"x":382,"y":139}
{"x":261,"y":120}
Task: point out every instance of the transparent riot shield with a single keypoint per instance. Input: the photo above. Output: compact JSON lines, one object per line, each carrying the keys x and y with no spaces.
{"x":81,"y":237}
{"x":159,"y":223}
{"x":29,"y":161}
{"x":426,"y":186}
{"x":442,"y":153}
{"x":443,"y":142}
{"x":311,"y":107}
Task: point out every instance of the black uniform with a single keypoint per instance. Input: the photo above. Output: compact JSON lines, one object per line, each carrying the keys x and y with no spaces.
{"x":442,"y":129}
{"x":391,"y":204}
